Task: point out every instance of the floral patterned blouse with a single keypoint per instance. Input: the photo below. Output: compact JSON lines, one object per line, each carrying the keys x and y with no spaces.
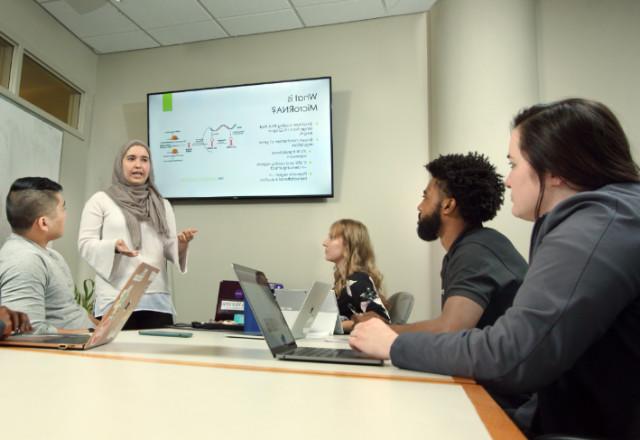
{"x":360,"y":296}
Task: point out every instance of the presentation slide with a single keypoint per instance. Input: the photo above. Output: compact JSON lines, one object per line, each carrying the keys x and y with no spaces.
{"x":259,"y":140}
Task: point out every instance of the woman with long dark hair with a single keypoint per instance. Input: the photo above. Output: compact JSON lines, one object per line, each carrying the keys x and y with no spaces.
{"x":571,"y":335}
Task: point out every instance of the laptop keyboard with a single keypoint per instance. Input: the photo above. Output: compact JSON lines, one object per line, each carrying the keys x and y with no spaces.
{"x":325,"y":352}
{"x":52,"y":339}
{"x":217,"y":325}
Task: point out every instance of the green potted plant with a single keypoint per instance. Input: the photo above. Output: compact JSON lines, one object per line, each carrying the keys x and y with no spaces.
{"x":85,"y":297}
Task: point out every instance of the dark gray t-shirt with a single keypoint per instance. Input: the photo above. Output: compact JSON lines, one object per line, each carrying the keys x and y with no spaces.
{"x":483,"y":265}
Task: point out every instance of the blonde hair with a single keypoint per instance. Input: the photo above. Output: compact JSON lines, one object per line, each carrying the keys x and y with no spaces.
{"x":358,"y":254}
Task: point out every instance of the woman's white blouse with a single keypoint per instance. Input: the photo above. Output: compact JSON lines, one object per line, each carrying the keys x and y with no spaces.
{"x":101,"y":225}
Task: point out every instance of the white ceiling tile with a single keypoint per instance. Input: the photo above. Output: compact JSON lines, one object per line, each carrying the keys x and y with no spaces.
{"x":297,"y":3}
{"x":162,"y":13}
{"x":352,"y":10}
{"x":84,"y":6}
{"x":118,"y":26}
{"x":232,"y":8}
{"x":397,"y":7}
{"x":185,"y":33}
{"x":120,"y":42}
{"x":259,"y":23}
{"x":104,"y":20}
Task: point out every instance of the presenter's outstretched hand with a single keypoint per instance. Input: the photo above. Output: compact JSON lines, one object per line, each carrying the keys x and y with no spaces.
{"x":373,"y":337}
{"x":122,"y":248}
{"x":187,"y":235}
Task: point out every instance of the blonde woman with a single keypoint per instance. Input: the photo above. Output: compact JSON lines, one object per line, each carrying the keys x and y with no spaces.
{"x":357,"y":280}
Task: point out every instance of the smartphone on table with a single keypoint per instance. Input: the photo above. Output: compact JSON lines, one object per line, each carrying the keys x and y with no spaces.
{"x":165,"y":333}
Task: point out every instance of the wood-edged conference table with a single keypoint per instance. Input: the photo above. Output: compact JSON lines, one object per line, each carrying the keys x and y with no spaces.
{"x":212,"y":386}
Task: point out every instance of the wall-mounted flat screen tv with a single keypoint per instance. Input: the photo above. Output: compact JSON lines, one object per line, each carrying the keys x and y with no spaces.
{"x":243,"y":141}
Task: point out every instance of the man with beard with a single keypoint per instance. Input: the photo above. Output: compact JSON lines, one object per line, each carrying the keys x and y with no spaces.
{"x":481,"y":271}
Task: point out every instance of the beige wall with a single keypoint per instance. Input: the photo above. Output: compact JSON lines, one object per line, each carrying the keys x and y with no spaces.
{"x":31,"y":27}
{"x":591,"y":48}
{"x":483,"y":68}
{"x":380,"y":144}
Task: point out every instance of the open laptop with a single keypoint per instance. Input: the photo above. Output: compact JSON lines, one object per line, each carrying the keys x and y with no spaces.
{"x":328,"y":320}
{"x":276,"y":332}
{"x":229,"y":315}
{"x":290,"y":300}
{"x":229,"y":309}
{"x":230,"y":303}
{"x":309,"y":310}
{"x":302,"y":309}
{"x":110,"y":325}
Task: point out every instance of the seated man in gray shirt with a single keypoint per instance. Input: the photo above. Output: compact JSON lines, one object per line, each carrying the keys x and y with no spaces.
{"x":35,"y":279}
{"x":481,"y":271}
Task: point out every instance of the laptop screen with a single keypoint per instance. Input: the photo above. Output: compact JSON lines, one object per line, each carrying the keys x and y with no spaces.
{"x":230,"y":303}
{"x":256,"y":290}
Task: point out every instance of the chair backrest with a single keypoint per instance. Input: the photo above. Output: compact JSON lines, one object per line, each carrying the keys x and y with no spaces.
{"x":400,"y":306}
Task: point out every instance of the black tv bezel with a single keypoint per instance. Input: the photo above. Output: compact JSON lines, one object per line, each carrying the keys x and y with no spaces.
{"x":258,"y":197}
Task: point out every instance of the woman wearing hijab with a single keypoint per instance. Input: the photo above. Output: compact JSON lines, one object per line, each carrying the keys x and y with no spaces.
{"x":127,"y":224}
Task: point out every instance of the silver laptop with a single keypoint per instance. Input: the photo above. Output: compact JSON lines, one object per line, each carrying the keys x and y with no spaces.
{"x":290,"y":300}
{"x":276,"y":332}
{"x":327,"y":321}
{"x":110,"y":325}
{"x":309,"y":309}
{"x":330,"y":306}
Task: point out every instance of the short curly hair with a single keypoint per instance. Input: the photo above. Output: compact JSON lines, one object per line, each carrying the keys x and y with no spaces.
{"x":473,"y":181}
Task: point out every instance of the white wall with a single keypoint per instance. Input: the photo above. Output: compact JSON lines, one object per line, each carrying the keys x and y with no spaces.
{"x":483,"y":68}
{"x":490,"y":58}
{"x":380,"y":144}
{"x":591,"y":48}
{"x":30,"y":26}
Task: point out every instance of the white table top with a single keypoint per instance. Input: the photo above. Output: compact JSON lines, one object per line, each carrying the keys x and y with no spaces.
{"x":210,"y":385}
{"x":222,"y":349}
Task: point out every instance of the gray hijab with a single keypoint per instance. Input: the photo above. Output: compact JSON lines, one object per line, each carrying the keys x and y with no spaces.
{"x":138,"y":202}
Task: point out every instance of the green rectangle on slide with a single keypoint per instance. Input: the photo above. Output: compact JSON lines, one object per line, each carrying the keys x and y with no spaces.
{"x":167,"y":102}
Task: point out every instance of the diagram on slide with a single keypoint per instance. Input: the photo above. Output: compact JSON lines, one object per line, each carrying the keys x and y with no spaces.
{"x":176,"y":145}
